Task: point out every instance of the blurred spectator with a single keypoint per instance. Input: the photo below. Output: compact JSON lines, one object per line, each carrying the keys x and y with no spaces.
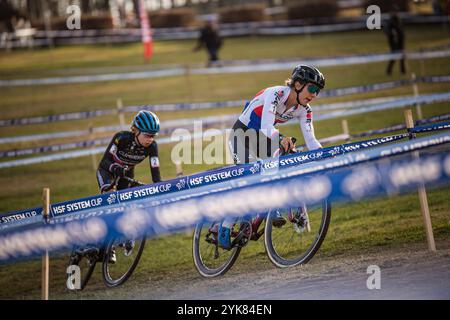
{"x":8,"y":18}
{"x":7,"y":15}
{"x":209,"y":37}
{"x":441,"y":7}
{"x":437,"y":9}
{"x":396,"y":37}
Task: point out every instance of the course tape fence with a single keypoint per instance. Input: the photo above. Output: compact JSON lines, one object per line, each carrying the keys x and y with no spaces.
{"x":409,"y":101}
{"x":168,"y":125}
{"x":167,"y":128}
{"x":65,"y":37}
{"x":213,"y":105}
{"x":256,"y":66}
{"x":204,"y":178}
{"x":401,"y":126}
{"x":145,"y":210}
{"x":428,"y":99}
{"x":104,"y":141}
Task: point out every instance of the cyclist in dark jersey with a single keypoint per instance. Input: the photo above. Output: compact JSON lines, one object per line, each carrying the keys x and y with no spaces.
{"x":127,"y":149}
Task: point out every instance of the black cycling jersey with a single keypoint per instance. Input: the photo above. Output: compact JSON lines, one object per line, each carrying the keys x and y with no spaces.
{"x":124,"y":150}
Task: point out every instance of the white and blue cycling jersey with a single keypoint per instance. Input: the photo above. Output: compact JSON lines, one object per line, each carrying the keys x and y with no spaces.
{"x":267,"y":109}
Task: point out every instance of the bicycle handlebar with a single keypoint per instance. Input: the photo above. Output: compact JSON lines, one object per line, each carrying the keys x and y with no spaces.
{"x":134,"y":183}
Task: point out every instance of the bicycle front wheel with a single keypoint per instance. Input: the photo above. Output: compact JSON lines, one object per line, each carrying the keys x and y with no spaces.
{"x":298,"y":240}
{"x":85,"y":260}
{"x":127,"y":255}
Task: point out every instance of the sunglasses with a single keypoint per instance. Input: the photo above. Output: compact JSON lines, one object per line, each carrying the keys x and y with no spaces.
{"x":312,"y":88}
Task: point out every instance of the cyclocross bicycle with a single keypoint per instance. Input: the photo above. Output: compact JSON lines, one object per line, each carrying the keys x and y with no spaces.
{"x":292,"y":242}
{"x":114,"y":271}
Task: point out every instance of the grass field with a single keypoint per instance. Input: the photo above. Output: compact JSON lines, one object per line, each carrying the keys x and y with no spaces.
{"x":355,"y":227}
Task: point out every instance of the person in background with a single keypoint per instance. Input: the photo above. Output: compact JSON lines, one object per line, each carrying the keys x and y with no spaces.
{"x":396,"y":38}
{"x":210,"y":38}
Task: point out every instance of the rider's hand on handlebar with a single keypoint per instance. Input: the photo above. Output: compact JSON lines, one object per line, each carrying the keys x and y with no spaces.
{"x":288,"y":144}
{"x":119,"y":171}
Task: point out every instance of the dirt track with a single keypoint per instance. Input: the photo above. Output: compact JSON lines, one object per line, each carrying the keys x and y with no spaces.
{"x":406,"y":273}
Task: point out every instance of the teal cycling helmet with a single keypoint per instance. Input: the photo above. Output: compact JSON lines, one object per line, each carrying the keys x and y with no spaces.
{"x":146,"y":122}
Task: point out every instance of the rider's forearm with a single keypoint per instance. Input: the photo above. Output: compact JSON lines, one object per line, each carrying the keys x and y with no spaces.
{"x":156,"y":175}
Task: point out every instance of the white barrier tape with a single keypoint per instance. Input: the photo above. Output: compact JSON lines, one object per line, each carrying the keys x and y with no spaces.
{"x":96,"y":78}
{"x":88,"y":152}
{"x":185,"y":106}
{"x":103,"y":142}
{"x":222,"y":120}
{"x":312,"y":29}
{"x":332,"y":139}
{"x":428,"y":99}
{"x":336,"y":138}
{"x":402,"y":126}
{"x":196,"y":135}
{"x":54,"y":148}
{"x":407,"y":18}
{"x":88,"y":114}
{"x":222,"y":104}
{"x":234,"y":29}
{"x":34,"y":137}
{"x":264,"y":67}
{"x":167,"y":126}
{"x":357,"y":103}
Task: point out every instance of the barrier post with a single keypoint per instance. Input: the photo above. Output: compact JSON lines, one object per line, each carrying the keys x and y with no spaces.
{"x":48,"y":25}
{"x":178,"y":168}
{"x":422,"y":193}
{"x":45,"y":259}
{"x":120,"y":112}
{"x":416,"y":94}
{"x":187,"y":75}
{"x":91,"y":138}
{"x":228,"y":158}
{"x":345,"y":130}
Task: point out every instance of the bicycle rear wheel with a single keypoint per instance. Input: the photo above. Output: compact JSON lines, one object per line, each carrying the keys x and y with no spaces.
{"x":128,"y":254}
{"x":209,"y":259}
{"x":86,"y":262}
{"x":295,"y":242}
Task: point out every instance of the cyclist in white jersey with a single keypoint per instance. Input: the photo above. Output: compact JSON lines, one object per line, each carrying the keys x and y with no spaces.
{"x":275,"y":105}
{"x":254,"y":134}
